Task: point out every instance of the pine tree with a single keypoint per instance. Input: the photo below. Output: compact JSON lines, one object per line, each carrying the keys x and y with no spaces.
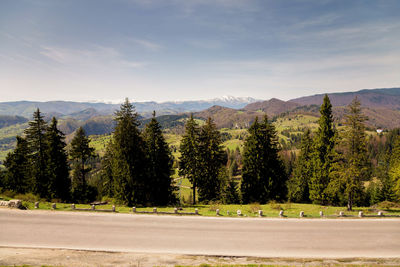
{"x":35,"y":136}
{"x":298,"y":184}
{"x":393,"y":181}
{"x":357,"y":165}
{"x":80,"y":153}
{"x":129,"y":163}
{"x":17,"y":176}
{"x":263,"y":173}
{"x":159,"y":183}
{"x":188,"y":161}
{"x":211,"y":158}
{"x":57,"y":163}
{"x":323,"y":154}
{"x":106,"y":176}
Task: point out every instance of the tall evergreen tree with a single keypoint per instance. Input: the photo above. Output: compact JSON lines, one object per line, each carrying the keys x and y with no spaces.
{"x":357,"y":166}
{"x":188,"y":161}
{"x":17,"y":176}
{"x":393,"y":183}
{"x":159,"y":182}
{"x":298,"y":184}
{"x":106,"y":176}
{"x":263,"y":173}
{"x":129,"y":163}
{"x":80,"y":153}
{"x":35,"y":136}
{"x":211,"y":158}
{"x":323,"y":154}
{"x":57,"y":163}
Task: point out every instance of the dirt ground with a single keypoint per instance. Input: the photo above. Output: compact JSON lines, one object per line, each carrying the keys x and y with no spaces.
{"x":63,"y":257}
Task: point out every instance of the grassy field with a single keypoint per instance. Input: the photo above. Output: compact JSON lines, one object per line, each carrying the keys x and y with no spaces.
{"x":271,"y":210}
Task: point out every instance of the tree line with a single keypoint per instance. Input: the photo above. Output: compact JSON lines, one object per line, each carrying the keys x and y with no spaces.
{"x":332,"y":167}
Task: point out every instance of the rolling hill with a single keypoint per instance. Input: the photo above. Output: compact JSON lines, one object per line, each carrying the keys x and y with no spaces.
{"x":388,"y":98}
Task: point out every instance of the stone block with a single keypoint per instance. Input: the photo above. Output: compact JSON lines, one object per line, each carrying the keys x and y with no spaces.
{"x":301,"y":214}
{"x":36,"y":205}
{"x":15,"y":203}
{"x":260,"y":213}
{"x":281,"y":213}
{"x":134,"y":209}
{"x":53,"y":206}
{"x":239,"y":213}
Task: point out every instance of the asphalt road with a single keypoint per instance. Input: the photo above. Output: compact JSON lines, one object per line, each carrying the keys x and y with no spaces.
{"x":261,"y":237}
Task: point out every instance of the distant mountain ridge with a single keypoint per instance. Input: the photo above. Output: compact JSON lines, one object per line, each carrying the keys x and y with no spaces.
{"x":75,"y":109}
{"x":371,"y":98}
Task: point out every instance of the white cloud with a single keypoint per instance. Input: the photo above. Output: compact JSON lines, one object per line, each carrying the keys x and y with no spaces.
{"x":148,"y":44}
{"x":96,"y":57}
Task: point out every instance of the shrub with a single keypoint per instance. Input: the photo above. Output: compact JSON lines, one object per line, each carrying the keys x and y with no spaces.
{"x":28,"y":197}
{"x":387,"y":205}
{"x":213,"y":206}
{"x":275,"y":205}
{"x":255,"y":207}
{"x":9,"y":193}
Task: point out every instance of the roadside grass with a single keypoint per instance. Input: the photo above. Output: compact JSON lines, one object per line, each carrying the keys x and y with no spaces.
{"x":271,"y":210}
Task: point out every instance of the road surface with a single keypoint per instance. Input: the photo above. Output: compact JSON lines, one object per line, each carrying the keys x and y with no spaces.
{"x":259,"y":237}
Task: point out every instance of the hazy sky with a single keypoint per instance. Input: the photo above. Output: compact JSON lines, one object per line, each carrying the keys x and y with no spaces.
{"x":181,"y":49}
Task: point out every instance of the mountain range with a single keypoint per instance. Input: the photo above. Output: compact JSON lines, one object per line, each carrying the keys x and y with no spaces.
{"x":382,"y":106}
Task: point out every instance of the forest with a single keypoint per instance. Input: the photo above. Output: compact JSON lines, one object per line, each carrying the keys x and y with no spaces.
{"x":330,"y":164}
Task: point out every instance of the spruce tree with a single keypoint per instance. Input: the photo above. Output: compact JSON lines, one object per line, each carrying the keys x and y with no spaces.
{"x":298,"y":184}
{"x":159,"y":157}
{"x":17,"y":176}
{"x":263,"y":173}
{"x":106,"y":176}
{"x":211,"y":158}
{"x":323,"y":154}
{"x":357,"y":165}
{"x":188,"y":161}
{"x":80,"y":154}
{"x":393,"y":181}
{"x":129,"y":163}
{"x":35,"y":136}
{"x":57,"y":163}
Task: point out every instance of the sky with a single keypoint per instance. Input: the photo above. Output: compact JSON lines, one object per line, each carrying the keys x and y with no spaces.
{"x":167,"y":50}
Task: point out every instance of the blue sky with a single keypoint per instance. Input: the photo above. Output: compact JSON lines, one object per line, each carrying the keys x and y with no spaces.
{"x":165,"y":50}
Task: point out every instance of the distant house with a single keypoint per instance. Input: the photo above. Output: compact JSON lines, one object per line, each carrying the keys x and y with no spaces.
{"x":379,"y":130}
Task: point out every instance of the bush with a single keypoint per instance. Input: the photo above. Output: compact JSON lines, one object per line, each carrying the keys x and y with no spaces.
{"x":28,"y":197}
{"x":255,"y":207}
{"x":213,"y":206}
{"x":387,"y":205}
{"x":275,"y":205}
{"x":9,"y":193}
